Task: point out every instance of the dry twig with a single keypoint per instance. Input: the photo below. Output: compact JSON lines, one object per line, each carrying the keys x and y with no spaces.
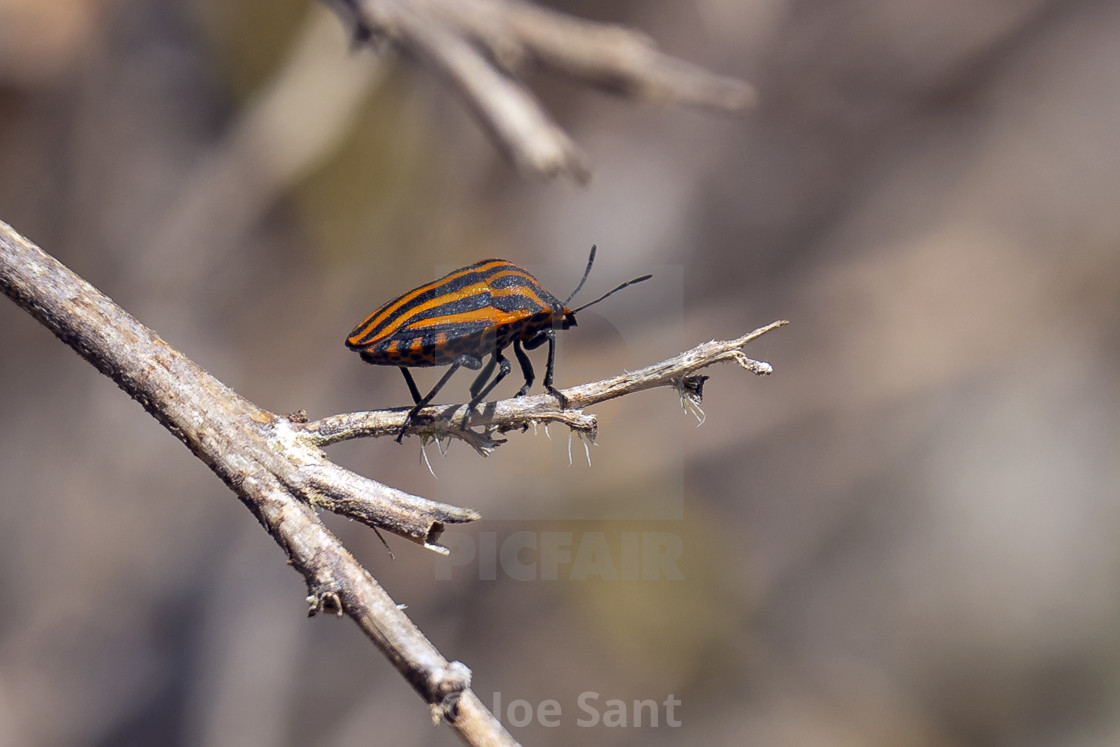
{"x":276,"y":466}
{"x":516,"y":413}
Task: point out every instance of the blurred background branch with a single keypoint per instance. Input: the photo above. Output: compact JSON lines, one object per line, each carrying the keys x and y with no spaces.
{"x":479,"y":46}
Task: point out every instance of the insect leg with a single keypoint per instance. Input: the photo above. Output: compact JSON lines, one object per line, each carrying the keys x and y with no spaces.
{"x":526,"y":367}
{"x":463,"y":360}
{"x":411,"y":384}
{"x":480,"y":380}
{"x":503,"y":371}
{"x":551,"y":334}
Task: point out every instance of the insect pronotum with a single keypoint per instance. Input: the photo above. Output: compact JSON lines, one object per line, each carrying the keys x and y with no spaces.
{"x":464,"y":316}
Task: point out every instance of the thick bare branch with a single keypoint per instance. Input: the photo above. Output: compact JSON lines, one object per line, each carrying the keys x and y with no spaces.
{"x":275,"y":470}
{"x":477,"y":46}
{"x":439,"y":421}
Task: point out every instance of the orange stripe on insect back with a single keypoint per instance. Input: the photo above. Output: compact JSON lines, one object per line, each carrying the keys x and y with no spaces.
{"x":376,"y":319}
{"x":513,"y":271}
{"x":392,"y":325}
{"x":487,"y":314}
{"x":529,"y":291}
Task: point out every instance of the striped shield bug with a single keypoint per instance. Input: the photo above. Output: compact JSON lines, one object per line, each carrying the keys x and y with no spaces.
{"x":464,"y":316}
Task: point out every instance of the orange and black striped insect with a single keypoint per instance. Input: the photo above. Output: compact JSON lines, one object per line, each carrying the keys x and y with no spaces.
{"x":464,"y":316}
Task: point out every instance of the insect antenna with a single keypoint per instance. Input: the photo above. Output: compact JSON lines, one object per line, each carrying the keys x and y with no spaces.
{"x":590,"y":261}
{"x":643,"y":278}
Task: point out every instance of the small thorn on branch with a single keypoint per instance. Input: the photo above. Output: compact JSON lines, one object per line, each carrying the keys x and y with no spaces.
{"x":327,"y":601}
{"x":691,"y":390}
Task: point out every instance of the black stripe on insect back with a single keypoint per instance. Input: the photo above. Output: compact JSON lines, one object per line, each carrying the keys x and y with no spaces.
{"x":395,"y":314}
{"x":454,"y":305}
{"x":401,"y":314}
{"x":430,"y":334}
{"x":512,"y":276}
{"x":528,"y":294}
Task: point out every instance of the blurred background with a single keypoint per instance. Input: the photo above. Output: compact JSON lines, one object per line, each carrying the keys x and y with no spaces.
{"x":908,"y":535}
